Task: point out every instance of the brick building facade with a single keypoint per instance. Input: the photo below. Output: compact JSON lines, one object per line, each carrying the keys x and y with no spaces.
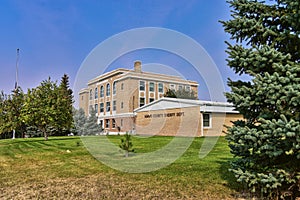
{"x":116,"y":94}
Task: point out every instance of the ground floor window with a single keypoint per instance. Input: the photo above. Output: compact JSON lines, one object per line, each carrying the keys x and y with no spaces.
{"x":114,"y":105}
{"x":101,"y":123}
{"x":113,"y":123}
{"x":206,"y":120}
{"x":107,"y":123}
{"x":151,"y":100}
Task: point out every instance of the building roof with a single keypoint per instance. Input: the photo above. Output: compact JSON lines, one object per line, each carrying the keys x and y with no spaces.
{"x":127,"y":73}
{"x":205,"y":106}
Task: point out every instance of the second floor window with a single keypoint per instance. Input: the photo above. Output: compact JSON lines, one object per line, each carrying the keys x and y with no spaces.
{"x":142,"y":101}
{"x":172,"y":87}
{"x":107,"y":106}
{"x":187,"y":88}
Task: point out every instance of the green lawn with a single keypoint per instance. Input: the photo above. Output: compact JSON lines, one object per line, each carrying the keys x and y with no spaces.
{"x":62,"y":168}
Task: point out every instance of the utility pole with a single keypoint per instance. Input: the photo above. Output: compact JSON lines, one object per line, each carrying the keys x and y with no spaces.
{"x":16,"y":84}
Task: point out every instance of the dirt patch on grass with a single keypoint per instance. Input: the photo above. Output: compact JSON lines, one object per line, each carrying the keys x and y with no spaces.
{"x":102,"y":186}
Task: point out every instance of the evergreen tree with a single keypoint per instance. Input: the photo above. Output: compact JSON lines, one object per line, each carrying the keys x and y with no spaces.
{"x":91,"y":126}
{"x":65,"y":105}
{"x":79,"y":121}
{"x":126,"y":144}
{"x":267,"y":142}
{"x":181,"y":94}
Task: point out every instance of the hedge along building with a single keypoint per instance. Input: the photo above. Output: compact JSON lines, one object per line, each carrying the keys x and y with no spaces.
{"x":183,"y":117}
{"x":116,"y":94}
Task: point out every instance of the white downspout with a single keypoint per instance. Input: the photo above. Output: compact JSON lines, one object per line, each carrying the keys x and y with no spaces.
{"x":201,"y":124}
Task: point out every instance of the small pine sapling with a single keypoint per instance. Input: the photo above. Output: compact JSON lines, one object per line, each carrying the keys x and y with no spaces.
{"x":126,"y":144}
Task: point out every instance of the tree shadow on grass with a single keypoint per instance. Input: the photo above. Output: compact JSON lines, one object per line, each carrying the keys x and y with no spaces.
{"x":40,"y":139}
{"x":231,"y":182}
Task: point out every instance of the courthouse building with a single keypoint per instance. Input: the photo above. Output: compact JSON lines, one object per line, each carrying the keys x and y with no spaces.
{"x":132,"y":100}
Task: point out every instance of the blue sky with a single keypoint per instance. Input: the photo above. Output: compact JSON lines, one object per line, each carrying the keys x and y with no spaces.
{"x":55,"y":36}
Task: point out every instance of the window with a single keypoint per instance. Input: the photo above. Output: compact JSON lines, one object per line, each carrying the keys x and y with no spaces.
{"x":101,"y":107}
{"x":96,"y":108}
{"x":122,"y":86}
{"x":187,"y":88}
{"x":172,"y":86}
{"x":113,"y":123}
{"x":151,"y":100}
{"x":82,"y":97}
{"x":101,"y":123}
{"x":101,"y":91}
{"x":108,"y":89}
{"x":96,"y":93}
{"x":106,"y":123}
{"x":114,"y":105}
{"x":107,"y":106}
{"x":142,"y":85}
{"x":121,"y":122}
{"x":114,"y":88}
{"x":206,"y":120}
{"x":151,"y":87}
{"x":180,"y":87}
{"x":122,"y":105}
{"x":160,"y":88}
{"x":91,"y":94}
{"x":142,"y":101}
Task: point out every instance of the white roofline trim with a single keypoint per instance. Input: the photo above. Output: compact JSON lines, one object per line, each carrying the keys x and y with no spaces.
{"x":184,"y":82}
{"x":205,"y":106}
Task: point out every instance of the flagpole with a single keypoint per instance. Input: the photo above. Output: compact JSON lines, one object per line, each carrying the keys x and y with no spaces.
{"x":17,"y":66}
{"x":16,"y":85}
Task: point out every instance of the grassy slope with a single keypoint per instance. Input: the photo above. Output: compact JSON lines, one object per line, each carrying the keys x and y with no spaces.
{"x":62,"y":168}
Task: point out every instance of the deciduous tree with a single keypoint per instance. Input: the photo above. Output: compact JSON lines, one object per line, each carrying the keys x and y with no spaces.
{"x":40,"y":107}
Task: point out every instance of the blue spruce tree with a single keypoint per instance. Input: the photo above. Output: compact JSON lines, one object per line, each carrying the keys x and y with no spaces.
{"x":267,"y":142}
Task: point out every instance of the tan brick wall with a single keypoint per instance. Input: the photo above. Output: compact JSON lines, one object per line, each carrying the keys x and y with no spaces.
{"x":83,"y":101}
{"x":187,"y":124}
{"x":218,"y":122}
{"x":129,"y":95}
{"x":178,"y":121}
